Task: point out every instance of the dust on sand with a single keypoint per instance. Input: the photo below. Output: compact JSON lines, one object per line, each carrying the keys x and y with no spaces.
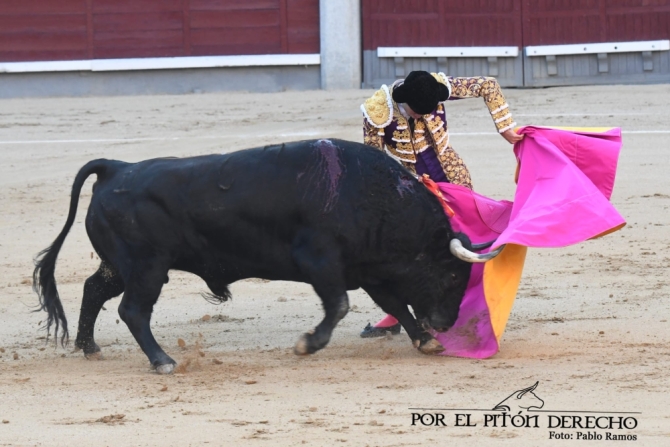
{"x":590,"y":323}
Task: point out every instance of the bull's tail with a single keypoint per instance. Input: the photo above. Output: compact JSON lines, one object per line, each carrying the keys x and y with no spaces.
{"x":44,"y":282}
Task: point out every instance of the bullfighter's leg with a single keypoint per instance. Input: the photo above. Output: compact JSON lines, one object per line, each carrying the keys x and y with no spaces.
{"x":103,"y":285}
{"x":319,"y":262}
{"x":142,"y":291}
{"x":421,"y":339}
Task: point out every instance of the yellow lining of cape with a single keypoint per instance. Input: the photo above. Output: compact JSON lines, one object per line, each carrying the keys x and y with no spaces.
{"x":502,"y":275}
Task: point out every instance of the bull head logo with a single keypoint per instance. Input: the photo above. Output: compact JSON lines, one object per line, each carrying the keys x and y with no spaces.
{"x":520,"y":400}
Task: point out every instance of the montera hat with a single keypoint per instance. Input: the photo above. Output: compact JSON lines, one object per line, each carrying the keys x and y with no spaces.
{"x":421,"y":92}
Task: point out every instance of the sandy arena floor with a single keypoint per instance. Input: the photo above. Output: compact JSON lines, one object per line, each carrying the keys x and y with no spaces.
{"x":590,"y":322}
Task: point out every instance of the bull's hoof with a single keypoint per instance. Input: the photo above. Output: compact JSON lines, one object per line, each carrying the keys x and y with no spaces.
{"x":167,"y":368}
{"x":431,"y":347}
{"x":94,"y":355}
{"x":302,"y":346}
{"x":90,"y":348}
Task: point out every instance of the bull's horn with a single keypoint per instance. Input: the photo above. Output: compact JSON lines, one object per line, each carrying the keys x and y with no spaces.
{"x":524,"y":391}
{"x":466,"y":255}
{"x":483,"y":245}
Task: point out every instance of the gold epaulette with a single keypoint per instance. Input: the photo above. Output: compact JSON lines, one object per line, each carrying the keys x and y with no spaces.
{"x":378,"y":109}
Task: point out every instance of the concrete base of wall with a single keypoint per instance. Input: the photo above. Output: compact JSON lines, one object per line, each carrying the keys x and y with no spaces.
{"x":150,"y":82}
{"x":583,"y":69}
{"x":383,"y":70}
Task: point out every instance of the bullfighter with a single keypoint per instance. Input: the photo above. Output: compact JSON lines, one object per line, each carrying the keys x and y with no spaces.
{"x":408,"y":122}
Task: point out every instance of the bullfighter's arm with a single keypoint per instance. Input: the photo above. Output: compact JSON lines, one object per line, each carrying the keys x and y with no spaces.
{"x":373,"y":136}
{"x":482,"y":87}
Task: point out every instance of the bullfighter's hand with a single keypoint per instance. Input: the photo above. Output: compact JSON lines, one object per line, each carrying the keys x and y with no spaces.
{"x":511,"y":136}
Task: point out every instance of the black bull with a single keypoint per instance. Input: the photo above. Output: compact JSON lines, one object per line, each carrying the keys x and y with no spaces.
{"x":335,"y":214}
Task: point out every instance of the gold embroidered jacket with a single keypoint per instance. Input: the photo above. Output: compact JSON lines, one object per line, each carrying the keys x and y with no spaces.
{"x":387,"y":129}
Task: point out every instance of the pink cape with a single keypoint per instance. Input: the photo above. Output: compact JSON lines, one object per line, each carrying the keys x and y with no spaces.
{"x":565,"y":180}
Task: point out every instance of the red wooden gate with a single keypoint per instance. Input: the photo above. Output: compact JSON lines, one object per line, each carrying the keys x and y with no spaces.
{"x":453,"y":23}
{"x":33,"y":30}
{"x":558,"y":22}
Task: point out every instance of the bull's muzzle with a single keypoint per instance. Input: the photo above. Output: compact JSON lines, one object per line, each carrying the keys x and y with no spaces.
{"x":436,"y":324}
